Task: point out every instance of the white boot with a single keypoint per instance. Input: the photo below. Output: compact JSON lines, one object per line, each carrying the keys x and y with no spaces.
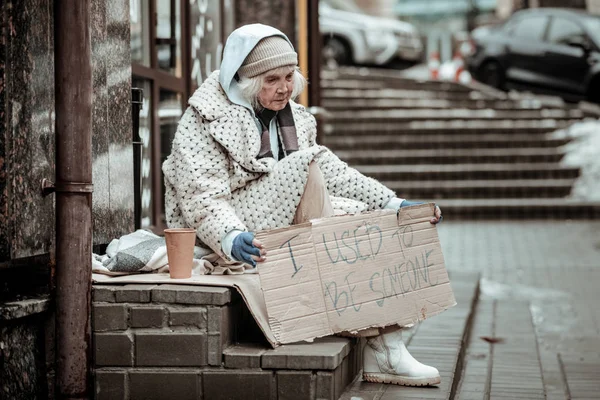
{"x":386,"y":360}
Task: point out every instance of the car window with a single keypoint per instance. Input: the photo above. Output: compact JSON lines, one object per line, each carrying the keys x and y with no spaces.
{"x":593,"y":26}
{"x":564,"y":31}
{"x":530,"y":27}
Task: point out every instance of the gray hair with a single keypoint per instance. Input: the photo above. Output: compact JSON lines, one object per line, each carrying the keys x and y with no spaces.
{"x":251,"y":87}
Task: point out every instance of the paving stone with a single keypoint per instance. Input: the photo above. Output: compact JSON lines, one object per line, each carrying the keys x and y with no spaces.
{"x":114,"y":349}
{"x":110,"y":385}
{"x":295,"y":385}
{"x":134,"y":293}
{"x":243,"y":356}
{"x":183,"y":294}
{"x":239,"y":385}
{"x":162,"y":385}
{"x":324,"y":354}
{"x":147,"y":316}
{"x":188,"y":316}
{"x":166,"y":348}
{"x":109,"y":317}
{"x":103,"y":293}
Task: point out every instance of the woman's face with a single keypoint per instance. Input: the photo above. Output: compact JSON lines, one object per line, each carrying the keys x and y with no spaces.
{"x":277,"y":89}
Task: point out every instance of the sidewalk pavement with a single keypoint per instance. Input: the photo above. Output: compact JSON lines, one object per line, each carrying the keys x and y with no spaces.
{"x":534,"y":330}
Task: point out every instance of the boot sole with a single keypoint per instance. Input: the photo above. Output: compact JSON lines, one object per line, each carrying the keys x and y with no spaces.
{"x":401,"y":380}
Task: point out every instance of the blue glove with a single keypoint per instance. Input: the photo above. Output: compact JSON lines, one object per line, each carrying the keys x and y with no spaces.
{"x":242,"y":248}
{"x":408,"y":203}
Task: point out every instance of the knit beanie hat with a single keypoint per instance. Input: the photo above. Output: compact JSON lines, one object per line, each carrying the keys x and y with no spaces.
{"x":270,"y":53}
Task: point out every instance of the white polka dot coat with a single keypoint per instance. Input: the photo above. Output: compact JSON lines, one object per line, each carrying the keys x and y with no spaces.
{"x":215,"y":183}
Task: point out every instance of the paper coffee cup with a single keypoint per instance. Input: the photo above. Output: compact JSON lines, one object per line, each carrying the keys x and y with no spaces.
{"x":180,"y":251}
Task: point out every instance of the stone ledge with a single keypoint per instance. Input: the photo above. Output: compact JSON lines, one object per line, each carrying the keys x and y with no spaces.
{"x":323,"y":354}
{"x":23,"y":308}
{"x":163,"y":293}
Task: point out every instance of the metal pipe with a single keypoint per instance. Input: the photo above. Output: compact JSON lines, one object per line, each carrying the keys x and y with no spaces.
{"x":73,"y":98}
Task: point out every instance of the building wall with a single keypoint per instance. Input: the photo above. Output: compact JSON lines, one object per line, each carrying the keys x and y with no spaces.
{"x":593,"y":6}
{"x":380,"y":8}
{"x":27,"y":125}
{"x":27,"y":142}
{"x":277,"y":13}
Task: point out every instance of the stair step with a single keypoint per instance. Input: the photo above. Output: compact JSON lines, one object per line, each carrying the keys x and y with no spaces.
{"x":385,"y":75}
{"x":527,"y":208}
{"x":334,"y":103}
{"x":499,"y":171}
{"x":449,"y":156}
{"x":471,"y":189}
{"x":475,"y":126}
{"x":387,"y":93}
{"x":436,"y":141}
{"x":353,"y":83}
{"x":323,"y":354}
{"x":396,"y":115}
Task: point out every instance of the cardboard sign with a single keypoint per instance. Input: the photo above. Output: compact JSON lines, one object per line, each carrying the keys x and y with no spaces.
{"x":353,"y":272}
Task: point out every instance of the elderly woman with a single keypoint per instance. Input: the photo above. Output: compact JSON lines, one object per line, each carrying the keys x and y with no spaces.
{"x":245,"y":159}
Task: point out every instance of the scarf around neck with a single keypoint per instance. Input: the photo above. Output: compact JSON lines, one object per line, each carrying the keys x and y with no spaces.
{"x":288,"y":139}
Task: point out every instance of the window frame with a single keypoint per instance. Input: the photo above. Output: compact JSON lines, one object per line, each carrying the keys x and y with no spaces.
{"x":524,"y":18}
{"x":162,"y":80}
{"x":573,"y":21}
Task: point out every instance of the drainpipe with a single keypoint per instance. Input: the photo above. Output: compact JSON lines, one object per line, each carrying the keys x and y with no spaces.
{"x":73,"y":98}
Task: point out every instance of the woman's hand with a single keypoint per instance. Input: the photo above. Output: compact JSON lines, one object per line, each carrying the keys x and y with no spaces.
{"x":437,"y":212}
{"x":437,"y":216}
{"x":247,"y":249}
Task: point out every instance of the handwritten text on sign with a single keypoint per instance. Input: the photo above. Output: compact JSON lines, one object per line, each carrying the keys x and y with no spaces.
{"x":353,"y":272}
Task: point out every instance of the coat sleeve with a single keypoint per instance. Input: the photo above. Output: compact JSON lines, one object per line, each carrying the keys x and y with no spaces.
{"x":343,"y":180}
{"x":198,"y":172}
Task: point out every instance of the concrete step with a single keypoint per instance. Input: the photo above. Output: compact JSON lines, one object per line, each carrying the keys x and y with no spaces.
{"x":472,"y":126}
{"x":440,"y":341}
{"x":502,"y":171}
{"x":335,"y":103}
{"x":356,"y":83}
{"x":482,"y":189}
{"x":388,"y":76}
{"x":399,"y":115}
{"x":450,"y":156}
{"x":405,"y":93}
{"x":529,"y":208}
{"x":437,"y":141}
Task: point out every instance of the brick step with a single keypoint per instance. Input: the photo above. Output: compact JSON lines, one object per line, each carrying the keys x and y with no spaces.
{"x":468,"y":171}
{"x":531,"y":208}
{"x":433,"y":141}
{"x":306,"y":371}
{"x":450,"y":156}
{"x":479,"y":189}
{"x":399,"y":115}
{"x":342,"y":103}
{"x":159,"y":341}
{"x":447,"y":127}
{"x":440,"y":341}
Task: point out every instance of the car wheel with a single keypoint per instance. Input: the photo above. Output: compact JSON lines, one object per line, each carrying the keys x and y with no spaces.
{"x":492,"y":74}
{"x":337,"y":49}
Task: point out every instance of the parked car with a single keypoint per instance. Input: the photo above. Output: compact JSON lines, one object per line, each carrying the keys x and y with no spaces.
{"x":352,"y":37}
{"x":547,"y":50}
